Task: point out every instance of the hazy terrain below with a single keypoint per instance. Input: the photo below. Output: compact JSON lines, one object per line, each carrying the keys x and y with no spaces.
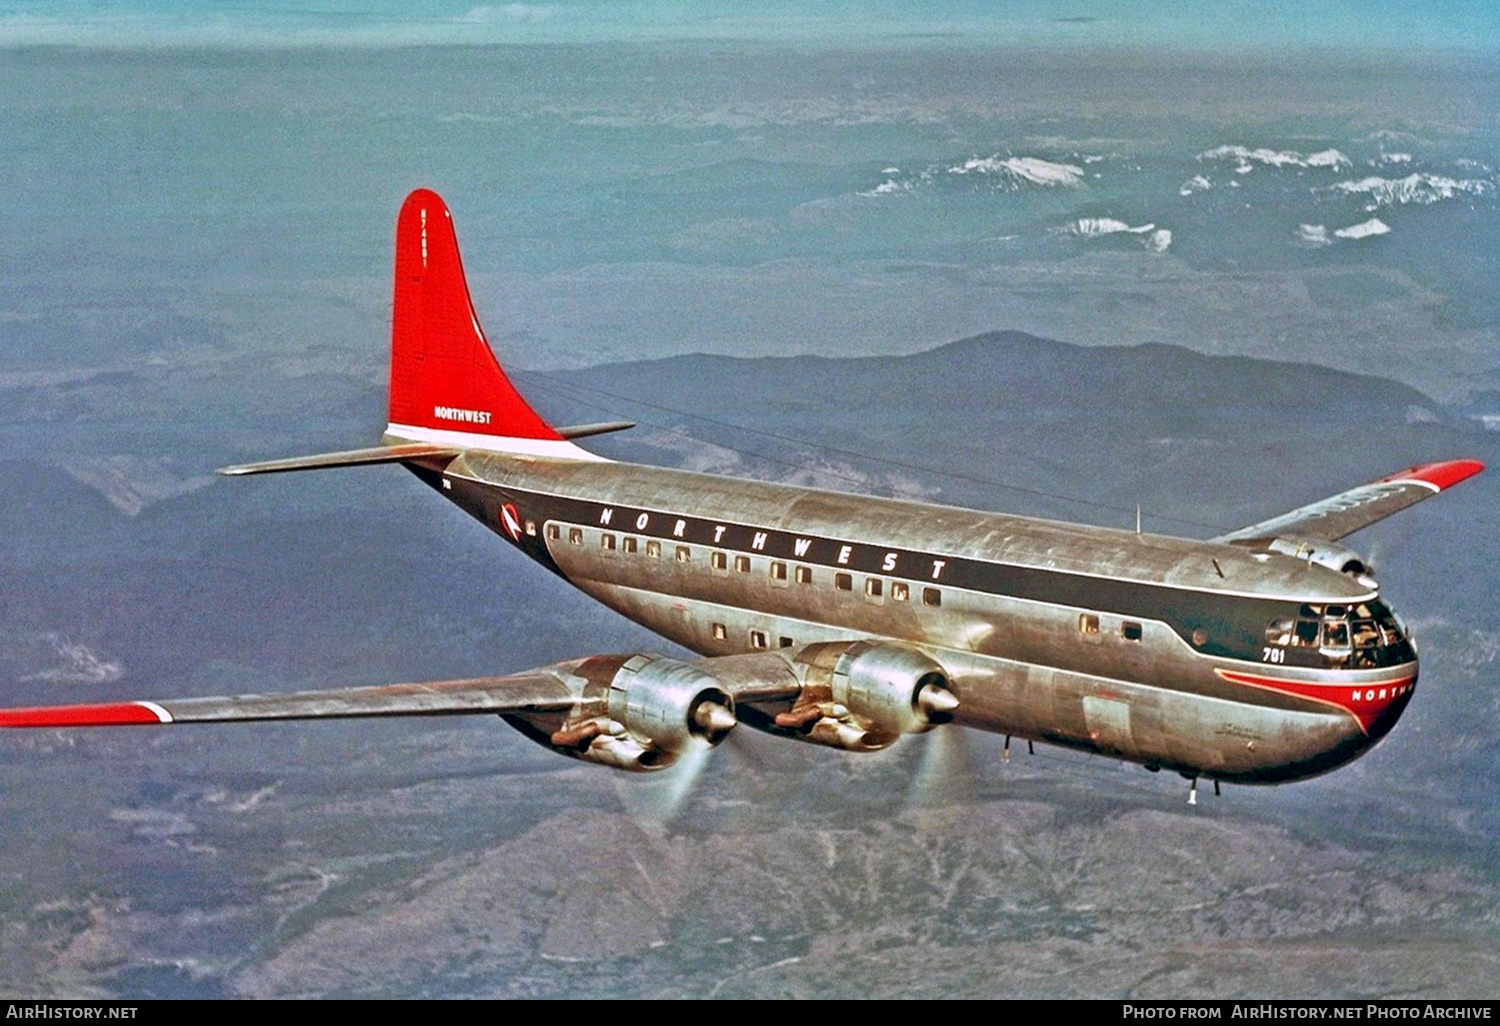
{"x":454,"y":857}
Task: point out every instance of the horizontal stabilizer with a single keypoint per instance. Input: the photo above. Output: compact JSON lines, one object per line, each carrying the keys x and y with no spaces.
{"x":589,"y":430}
{"x":351,"y":458}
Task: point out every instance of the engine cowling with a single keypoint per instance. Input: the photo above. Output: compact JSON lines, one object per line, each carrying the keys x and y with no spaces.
{"x":862,"y":696}
{"x":1335,"y":557}
{"x":637,"y":712}
{"x":667,"y":705}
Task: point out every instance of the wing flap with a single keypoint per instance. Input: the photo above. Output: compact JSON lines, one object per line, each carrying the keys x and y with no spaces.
{"x":1339,"y":515}
{"x":521,"y":693}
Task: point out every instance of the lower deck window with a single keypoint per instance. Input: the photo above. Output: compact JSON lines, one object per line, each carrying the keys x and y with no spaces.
{"x":1130,"y":630}
{"x":757,"y":639}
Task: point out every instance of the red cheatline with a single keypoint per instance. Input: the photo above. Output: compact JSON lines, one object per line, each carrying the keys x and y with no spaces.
{"x":1339,"y":694}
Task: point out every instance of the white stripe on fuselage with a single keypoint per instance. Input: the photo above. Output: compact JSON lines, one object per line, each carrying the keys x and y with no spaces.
{"x":555,"y":448}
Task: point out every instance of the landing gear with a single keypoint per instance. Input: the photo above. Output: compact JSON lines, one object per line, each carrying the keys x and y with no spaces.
{"x":1193,"y":790}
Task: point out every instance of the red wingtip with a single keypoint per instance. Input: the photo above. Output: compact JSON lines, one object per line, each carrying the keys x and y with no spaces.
{"x":1440,"y":475}
{"x":117,"y":714}
{"x":443,"y":374}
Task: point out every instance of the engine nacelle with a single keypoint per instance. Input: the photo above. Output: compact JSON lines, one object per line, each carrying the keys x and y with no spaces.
{"x":638,"y":712}
{"x":666,"y":705}
{"x":862,"y":696}
{"x":1335,"y":557}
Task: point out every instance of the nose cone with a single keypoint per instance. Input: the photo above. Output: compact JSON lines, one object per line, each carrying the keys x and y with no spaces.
{"x":1380,"y":705}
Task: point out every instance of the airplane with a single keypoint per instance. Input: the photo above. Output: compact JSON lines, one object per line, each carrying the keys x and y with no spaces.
{"x":1261,"y":656}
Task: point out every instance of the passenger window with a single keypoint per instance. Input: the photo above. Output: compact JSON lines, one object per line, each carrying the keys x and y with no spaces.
{"x":900,"y":592}
{"x":843,"y":582}
{"x":630,"y":544}
{"x":778,"y":571}
{"x":554,"y":532}
{"x":1335,"y":634}
{"x":1088,"y":623}
{"x":653,"y":549}
{"x":757,"y":639}
{"x":874,"y":587}
{"x":1130,"y":630}
{"x":742,"y":564}
{"x":932,"y":597}
{"x":804,"y":575}
{"x":719,"y":562}
{"x":607,"y":541}
{"x":720,"y":633}
{"x":575,"y":536}
{"x":684,"y":554}
{"x":531,"y":528}
{"x":1305,"y":634}
{"x":784,"y":642}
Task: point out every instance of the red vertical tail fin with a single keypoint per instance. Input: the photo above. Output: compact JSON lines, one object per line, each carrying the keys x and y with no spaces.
{"x":445,"y":381}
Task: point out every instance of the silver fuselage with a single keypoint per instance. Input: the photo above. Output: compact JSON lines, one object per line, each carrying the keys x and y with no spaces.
{"x":1139,"y":646}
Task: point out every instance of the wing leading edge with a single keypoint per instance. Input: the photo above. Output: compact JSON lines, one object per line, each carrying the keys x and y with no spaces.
{"x":518,"y":694}
{"x":1339,"y":515}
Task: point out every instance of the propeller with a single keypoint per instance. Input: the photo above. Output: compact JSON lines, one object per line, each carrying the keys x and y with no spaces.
{"x":944,"y":772}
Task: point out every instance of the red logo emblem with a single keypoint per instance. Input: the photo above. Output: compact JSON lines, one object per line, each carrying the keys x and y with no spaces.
{"x":510,"y":520}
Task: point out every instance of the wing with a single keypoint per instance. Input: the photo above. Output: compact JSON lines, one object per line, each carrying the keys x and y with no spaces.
{"x":520,"y":694}
{"x":1332,"y":518}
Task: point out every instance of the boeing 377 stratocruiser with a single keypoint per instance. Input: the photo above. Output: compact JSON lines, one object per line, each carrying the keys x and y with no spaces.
{"x":1260,"y":656}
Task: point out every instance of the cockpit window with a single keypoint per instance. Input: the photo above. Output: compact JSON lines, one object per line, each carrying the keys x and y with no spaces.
{"x":1390,"y":631}
{"x":1361,"y":635}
